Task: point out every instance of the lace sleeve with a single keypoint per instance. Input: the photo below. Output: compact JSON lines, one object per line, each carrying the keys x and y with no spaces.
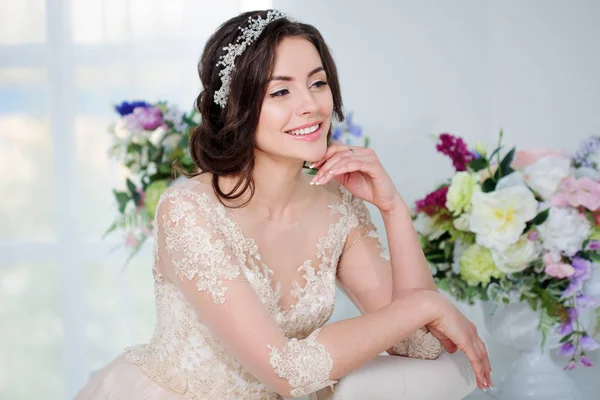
{"x":198,"y":257}
{"x":365,"y":276}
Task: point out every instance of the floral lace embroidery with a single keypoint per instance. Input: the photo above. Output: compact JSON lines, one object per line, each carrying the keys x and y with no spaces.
{"x":305,"y":364}
{"x":183,"y":355}
{"x":190,"y":247}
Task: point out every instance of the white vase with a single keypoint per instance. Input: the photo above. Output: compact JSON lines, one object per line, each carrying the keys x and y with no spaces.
{"x":534,"y":375}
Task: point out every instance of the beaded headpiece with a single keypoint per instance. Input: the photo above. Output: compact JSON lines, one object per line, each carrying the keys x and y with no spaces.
{"x":249,"y":34}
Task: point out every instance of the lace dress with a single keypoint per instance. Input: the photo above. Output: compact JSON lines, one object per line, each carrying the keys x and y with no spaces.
{"x":240,"y":300}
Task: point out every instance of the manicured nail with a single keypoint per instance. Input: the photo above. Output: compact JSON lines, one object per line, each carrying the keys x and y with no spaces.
{"x":333,"y":171}
{"x":312,"y":165}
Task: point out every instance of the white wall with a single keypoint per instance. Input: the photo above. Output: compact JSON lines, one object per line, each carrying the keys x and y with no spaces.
{"x":469,"y":67}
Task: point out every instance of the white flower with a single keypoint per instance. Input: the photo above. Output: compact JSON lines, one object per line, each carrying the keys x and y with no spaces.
{"x":498,"y":218}
{"x":564,"y":230}
{"x":157,"y":135}
{"x":462,"y":223}
{"x":426,"y":226}
{"x":513,"y":179}
{"x":545,"y":175}
{"x":171,"y":142}
{"x":516,"y":257}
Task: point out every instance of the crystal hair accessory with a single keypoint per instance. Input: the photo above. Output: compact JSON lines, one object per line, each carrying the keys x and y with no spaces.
{"x":249,"y":34}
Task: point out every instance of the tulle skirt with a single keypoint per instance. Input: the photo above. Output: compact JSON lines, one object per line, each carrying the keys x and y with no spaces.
{"x":122,"y":380}
{"x":384,"y":378}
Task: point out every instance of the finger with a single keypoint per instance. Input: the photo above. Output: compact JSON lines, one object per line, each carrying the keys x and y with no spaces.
{"x":488,"y":367}
{"x":476,"y":360}
{"x":449,"y":345}
{"x":333,"y":149}
{"x":334,"y":159}
{"x":350,"y":164}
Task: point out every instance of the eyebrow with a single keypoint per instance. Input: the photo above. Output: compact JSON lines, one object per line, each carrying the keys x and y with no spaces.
{"x":289,"y":78}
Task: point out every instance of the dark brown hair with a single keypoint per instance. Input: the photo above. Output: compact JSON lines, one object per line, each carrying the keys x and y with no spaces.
{"x":223,"y":144}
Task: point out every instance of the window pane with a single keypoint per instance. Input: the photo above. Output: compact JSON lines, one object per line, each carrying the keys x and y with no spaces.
{"x":26,"y":178}
{"x":120,"y":306}
{"x":22,"y":22}
{"x":31,"y":338}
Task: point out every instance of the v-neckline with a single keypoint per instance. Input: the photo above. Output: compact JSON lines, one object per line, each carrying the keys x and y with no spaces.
{"x":253,"y":250}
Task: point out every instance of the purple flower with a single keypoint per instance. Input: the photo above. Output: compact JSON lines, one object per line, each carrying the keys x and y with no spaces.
{"x":575,"y":286}
{"x":586,"y":362}
{"x":587,"y":343}
{"x":532,"y":235}
{"x":573,"y":314}
{"x":565,"y":329}
{"x":455,"y":148}
{"x":126,"y":108}
{"x":566,"y":350}
{"x":149,"y":118}
{"x":586,"y":148}
{"x":584,"y":301}
{"x":337,"y":133}
{"x":354,"y":129}
{"x":583,"y":268}
{"x":583,"y":272}
{"x":593,"y":245}
{"x":570,"y":366}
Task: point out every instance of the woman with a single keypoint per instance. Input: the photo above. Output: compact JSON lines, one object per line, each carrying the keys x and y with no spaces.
{"x":248,"y":251}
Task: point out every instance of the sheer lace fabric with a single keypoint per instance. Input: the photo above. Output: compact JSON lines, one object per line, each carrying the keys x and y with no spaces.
{"x":239,"y":304}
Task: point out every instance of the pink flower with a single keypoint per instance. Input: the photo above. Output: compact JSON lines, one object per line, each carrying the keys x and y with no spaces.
{"x":570,"y":366}
{"x":455,"y":148}
{"x":588,"y":194}
{"x":525,"y":158}
{"x":578,"y":192}
{"x":556,"y":268}
{"x":131,"y":240}
{"x":586,"y":362}
{"x":433,"y":202}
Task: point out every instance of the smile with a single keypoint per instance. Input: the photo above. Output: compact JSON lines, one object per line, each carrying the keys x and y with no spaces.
{"x":306,"y":130}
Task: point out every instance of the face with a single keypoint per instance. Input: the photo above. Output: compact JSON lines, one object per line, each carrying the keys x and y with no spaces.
{"x":296,"y":112}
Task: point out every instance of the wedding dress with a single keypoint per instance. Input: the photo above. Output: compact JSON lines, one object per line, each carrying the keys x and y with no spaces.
{"x":240,"y":300}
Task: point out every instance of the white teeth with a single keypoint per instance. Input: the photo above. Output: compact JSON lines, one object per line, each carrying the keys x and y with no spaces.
{"x":305,"y":131}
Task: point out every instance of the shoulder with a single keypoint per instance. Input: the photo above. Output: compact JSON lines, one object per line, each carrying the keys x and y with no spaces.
{"x":183,"y":200}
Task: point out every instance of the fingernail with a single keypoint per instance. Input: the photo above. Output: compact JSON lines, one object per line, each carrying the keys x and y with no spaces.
{"x":311,"y":165}
{"x":333,"y":172}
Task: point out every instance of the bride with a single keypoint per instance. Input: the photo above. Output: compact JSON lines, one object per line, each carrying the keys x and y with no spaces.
{"x":249,"y":250}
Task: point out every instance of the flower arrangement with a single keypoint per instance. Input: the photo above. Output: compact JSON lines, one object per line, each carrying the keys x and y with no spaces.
{"x":148,"y":139}
{"x":524,"y":227}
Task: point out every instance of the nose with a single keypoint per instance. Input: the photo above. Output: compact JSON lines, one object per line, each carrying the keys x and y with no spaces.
{"x":306,"y":103}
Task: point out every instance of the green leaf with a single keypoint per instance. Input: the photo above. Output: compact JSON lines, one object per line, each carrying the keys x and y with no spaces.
{"x":488,"y":185}
{"x":595,"y":257}
{"x":122,"y":199}
{"x":131,"y":187}
{"x":541,"y":217}
{"x":478,"y":164}
{"x":112,"y":228}
{"x":504,"y":169}
{"x":566,"y":338}
{"x":367,"y":142}
{"x":448,"y":250}
{"x":491,"y":156}
{"x":597,"y":329}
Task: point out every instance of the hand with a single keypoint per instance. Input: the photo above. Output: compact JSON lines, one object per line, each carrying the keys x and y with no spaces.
{"x":455,"y":331}
{"x":360,"y":171}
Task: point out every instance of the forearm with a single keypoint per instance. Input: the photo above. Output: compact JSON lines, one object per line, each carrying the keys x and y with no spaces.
{"x":410,"y":269}
{"x":355,"y":341}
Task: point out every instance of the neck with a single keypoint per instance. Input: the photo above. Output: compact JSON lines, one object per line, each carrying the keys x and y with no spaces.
{"x":280,"y":189}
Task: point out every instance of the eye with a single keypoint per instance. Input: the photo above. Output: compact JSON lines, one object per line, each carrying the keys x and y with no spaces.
{"x":279,"y":93}
{"x":319,"y":83}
